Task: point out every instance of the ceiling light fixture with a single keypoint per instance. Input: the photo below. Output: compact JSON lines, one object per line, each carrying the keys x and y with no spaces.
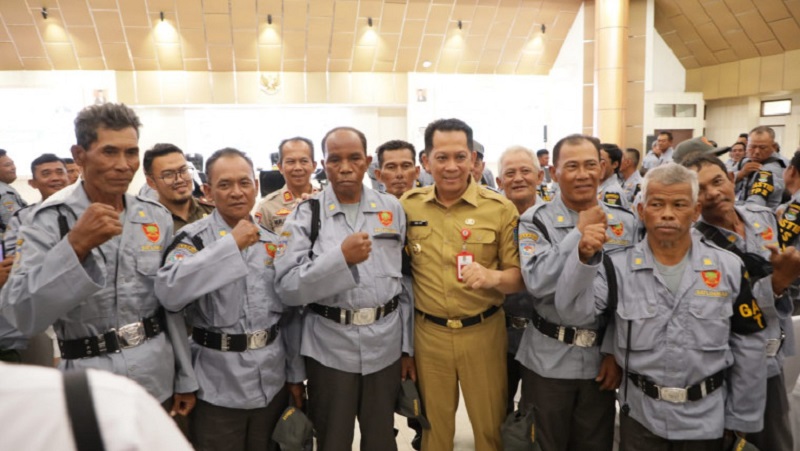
{"x":459,"y":24}
{"x":44,"y":13}
{"x":543,"y":28}
{"x":162,"y":15}
{"x":426,"y":64}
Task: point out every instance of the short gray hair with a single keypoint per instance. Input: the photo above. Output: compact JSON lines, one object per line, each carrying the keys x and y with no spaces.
{"x":671,"y":174}
{"x":519,"y":149}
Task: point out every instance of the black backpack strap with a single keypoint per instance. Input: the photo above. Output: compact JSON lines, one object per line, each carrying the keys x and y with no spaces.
{"x":316,"y":223}
{"x":63,"y":227}
{"x":757,"y":266}
{"x":196,"y":241}
{"x":611,"y":281}
{"x":80,"y":408}
{"x":540,"y":225}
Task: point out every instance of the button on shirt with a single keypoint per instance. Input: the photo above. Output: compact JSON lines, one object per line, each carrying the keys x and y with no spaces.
{"x":113,"y":287}
{"x":761,"y":230}
{"x":10,"y":201}
{"x":543,"y":260}
{"x":435,"y":237}
{"x":233,"y":292}
{"x":677,"y":340}
{"x":326,"y":279}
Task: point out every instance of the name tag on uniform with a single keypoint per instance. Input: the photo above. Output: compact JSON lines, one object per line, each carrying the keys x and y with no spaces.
{"x":418,"y":223}
{"x":463,"y":259}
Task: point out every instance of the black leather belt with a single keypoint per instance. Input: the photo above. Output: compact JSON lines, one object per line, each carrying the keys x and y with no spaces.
{"x":115,"y":340}
{"x":516,"y":322}
{"x":235,"y":342}
{"x":584,"y":338}
{"x":460,"y":322}
{"x":360,"y":317}
{"x":675,"y":394}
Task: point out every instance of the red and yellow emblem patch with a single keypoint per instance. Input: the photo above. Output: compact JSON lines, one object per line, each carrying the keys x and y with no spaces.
{"x":151,"y":232}
{"x":617,"y":229}
{"x":768,"y":234}
{"x":287,"y":196}
{"x":711,"y":278}
{"x":271,"y":248}
{"x":385,"y":217}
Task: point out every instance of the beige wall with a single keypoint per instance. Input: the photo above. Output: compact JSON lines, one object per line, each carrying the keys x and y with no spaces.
{"x":754,"y":76}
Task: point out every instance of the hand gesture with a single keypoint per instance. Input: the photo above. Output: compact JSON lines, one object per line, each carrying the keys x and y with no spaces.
{"x":476,"y":276}
{"x":356,"y":248}
{"x":592,"y":241}
{"x":749,"y":168}
{"x":594,"y":215}
{"x":246,"y":234}
{"x":786,"y":267}
{"x":5,"y":269}
{"x":98,"y":224}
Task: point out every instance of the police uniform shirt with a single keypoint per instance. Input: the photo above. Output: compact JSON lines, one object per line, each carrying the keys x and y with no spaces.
{"x":273,"y":210}
{"x":12,"y":229}
{"x":543,"y":258}
{"x":325,"y":278}
{"x":631,"y":186}
{"x":761,"y":230}
{"x":197,"y":211}
{"x":711,"y":324}
{"x":10,"y":201}
{"x":611,"y":193}
{"x":789,"y":235}
{"x":228,"y":291}
{"x":765,"y":186}
{"x":651,"y":160}
{"x":435,"y":237}
{"x":112,"y":287}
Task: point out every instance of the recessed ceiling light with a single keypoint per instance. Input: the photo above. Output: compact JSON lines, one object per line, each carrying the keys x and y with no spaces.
{"x":426,"y":64}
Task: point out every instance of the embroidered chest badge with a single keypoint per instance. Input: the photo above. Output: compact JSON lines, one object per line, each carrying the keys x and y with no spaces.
{"x":767,"y":235}
{"x":385,"y":217}
{"x":288,"y":197}
{"x":617,"y":229}
{"x":152,"y":232}
{"x":711,"y":278}
{"x":271,"y":248}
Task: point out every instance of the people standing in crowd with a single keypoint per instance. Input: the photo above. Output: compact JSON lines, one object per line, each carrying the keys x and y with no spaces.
{"x":610,"y":191}
{"x":482,"y":175}
{"x":86,"y":263}
{"x":661,"y":153}
{"x":519,"y":177}
{"x":688,"y":330}
{"x":73,"y":170}
{"x":246,"y":359}
{"x":463,"y":260}
{"x":565,"y":377}
{"x":751,"y":232}
{"x":169,"y":174}
{"x":296,"y":164}
{"x":340,"y":256}
{"x":735,"y":157}
{"x":629,"y":174}
{"x":547,"y":187}
{"x":742,"y":138}
{"x":10,"y":200}
{"x":762,"y":172}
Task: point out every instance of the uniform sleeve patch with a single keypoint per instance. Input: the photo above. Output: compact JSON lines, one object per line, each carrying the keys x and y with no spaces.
{"x":764,"y":185}
{"x":180,"y":252}
{"x":611,"y":199}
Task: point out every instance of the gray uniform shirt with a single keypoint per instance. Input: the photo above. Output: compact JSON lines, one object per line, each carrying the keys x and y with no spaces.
{"x":326,"y":279}
{"x":113,"y":287}
{"x":542,"y":261}
{"x":10,"y":201}
{"x":610,"y":192}
{"x":710,"y":324}
{"x":631,"y":186}
{"x":226,"y":290}
{"x":765,"y":186}
{"x":12,"y":229}
{"x":761,"y":229}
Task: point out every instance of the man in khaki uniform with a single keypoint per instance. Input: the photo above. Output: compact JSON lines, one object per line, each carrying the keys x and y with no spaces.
{"x":459,"y":333}
{"x":170,"y":175}
{"x":296,"y":164}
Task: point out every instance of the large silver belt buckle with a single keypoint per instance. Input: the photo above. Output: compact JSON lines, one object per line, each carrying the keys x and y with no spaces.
{"x":257,"y":340}
{"x":364,"y":316}
{"x":773,"y":345}
{"x":585,"y":338}
{"x":673,"y":395}
{"x":131,"y":335}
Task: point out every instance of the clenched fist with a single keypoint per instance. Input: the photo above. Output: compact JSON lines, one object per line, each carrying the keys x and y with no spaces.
{"x":98,"y":224}
{"x":246,"y":234}
{"x":594,"y":215}
{"x":356,"y":248}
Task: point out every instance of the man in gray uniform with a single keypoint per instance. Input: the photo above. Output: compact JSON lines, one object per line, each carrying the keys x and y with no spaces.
{"x":520,"y":176}
{"x":629,"y":174}
{"x":751,"y":232}
{"x":87,"y":264}
{"x":358,"y":314}
{"x":565,"y":377}
{"x":10,"y":200}
{"x":221,"y":268}
{"x":762,"y":173}
{"x":687,"y":326}
{"x":610,"y":192}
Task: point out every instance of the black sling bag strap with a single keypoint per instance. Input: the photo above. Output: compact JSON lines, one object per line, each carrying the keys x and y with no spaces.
{"x":80,"y":409}
{"x":757,"y":266}
{"x":196,"y":241}
{"x":611,"y":309}
{"x":316,"y":223}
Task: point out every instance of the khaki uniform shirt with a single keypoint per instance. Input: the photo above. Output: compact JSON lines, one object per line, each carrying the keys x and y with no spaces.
{"x":435,"y":237}
{"x":273,"y":210}
{"x":197,"y":211}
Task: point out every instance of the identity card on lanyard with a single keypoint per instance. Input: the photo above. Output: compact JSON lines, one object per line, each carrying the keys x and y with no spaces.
{"x":464,"y":258}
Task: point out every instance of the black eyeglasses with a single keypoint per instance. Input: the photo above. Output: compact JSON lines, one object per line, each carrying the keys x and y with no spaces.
{"x":170,"y":177}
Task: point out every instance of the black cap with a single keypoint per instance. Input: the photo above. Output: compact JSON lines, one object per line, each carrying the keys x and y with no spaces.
{"x":409,"y":403}
{"x":293,"y":430}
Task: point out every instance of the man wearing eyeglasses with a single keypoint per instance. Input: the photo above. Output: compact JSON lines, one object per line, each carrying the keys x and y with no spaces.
{"x":170,"y":175}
